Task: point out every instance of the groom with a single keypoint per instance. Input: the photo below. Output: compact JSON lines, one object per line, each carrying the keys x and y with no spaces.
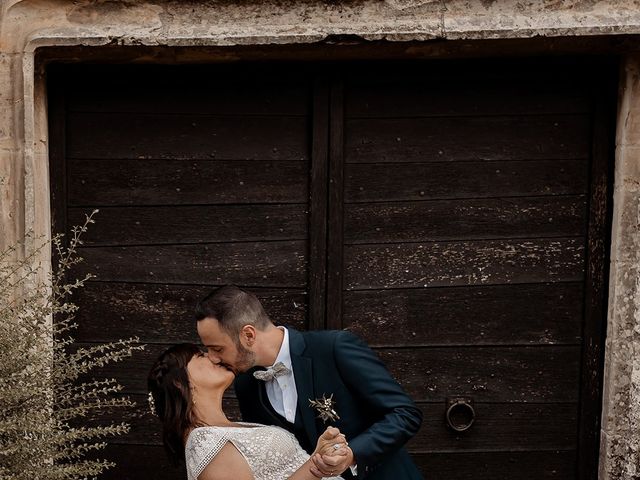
{"x":369,"y":407}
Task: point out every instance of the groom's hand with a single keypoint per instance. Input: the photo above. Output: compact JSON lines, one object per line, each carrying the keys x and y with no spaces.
{"x":331,"y":465}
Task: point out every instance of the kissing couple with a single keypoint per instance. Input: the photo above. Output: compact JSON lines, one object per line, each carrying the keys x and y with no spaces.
{"x":317,"y":404}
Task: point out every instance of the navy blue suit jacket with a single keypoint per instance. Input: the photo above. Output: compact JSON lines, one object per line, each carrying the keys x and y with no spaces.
{"x":376,"y":415}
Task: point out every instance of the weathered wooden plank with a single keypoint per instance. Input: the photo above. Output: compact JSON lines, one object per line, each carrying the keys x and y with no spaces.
{"x":318,"y":211}
{"x":498,"y":427}
{"x":426,"y":97}
{"x":485,"y":138}
{"x":561,"y":73}
{"x":138,"y":462}
{"x":487,"y":374}
{"x":477,"y":465}
{"x":488,"y":315}
{"x":336,"y":197}
{"x":192,"y":224}
{"x":424,"y":181}
{"x":261,"y":264}
{"x":175,"y":136}
{"x":481,"y":262}
{"x":560,"y":216}
{"x":146,"y":429}
{"x":258,"y":96}
{"x":57,"y":161}
{"x":164,"y":313}
{"x":555,"y":465}
{"x":177,"y":182}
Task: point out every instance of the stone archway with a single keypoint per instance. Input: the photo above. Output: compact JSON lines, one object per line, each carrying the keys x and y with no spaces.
{"x":28,"y":27}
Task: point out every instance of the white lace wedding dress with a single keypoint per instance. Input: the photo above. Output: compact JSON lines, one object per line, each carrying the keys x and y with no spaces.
{"x":271,"y":452}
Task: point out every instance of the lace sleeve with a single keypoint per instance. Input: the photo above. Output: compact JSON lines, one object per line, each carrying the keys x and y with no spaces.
{"x":202,"y":445}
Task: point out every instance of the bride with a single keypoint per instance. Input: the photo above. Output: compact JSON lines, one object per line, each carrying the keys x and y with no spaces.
{"x":185,"y":392}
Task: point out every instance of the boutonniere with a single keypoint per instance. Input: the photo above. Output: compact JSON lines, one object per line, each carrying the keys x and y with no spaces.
{"x":325,"y":408}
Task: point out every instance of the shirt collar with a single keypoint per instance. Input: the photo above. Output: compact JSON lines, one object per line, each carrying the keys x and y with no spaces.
{"x":284,"y":355}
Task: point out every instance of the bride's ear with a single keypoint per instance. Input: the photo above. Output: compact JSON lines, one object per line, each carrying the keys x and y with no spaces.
{"x":248,"y":335}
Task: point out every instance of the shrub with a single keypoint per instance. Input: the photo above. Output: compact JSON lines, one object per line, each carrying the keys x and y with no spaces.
{"x":49,"y":401}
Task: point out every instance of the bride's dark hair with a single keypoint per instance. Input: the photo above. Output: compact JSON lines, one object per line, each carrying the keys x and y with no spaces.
{"x":168,"y":384}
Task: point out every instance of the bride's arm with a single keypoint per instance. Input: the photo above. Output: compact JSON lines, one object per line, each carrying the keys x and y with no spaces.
{"x":228,"y":464}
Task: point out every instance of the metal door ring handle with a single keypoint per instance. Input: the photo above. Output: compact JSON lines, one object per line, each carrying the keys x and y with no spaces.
{"x":460,"y":415}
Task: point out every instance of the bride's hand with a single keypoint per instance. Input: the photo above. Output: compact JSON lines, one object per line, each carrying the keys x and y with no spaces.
{"x":331,"y":442}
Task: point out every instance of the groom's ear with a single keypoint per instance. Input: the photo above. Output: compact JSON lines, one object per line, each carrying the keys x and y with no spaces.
{"x":248,"y":335}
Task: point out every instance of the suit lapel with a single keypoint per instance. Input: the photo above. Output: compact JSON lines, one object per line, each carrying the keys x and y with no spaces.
{"x":303,"y":373}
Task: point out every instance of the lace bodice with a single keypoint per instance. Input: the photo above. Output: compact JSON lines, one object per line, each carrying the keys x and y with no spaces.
{"x":271,"y":452}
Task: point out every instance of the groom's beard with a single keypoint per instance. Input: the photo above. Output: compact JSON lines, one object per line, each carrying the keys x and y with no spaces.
{"x":246,"y":360}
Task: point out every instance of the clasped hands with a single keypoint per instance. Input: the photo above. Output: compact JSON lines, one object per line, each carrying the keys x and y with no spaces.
{"x":332,"y":455}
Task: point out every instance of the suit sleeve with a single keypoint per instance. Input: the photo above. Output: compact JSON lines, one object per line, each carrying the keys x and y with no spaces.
{"x":397,"y":417}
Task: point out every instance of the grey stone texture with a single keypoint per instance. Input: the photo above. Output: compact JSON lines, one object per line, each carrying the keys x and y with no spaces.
{"x":29,"y":25}
{"x":620,"y":438}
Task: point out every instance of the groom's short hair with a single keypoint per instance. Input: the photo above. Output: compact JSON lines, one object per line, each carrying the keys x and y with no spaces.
{"x":233,"y":308}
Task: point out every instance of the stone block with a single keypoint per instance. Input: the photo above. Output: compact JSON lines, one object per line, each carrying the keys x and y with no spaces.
{"x":513,"y":18}
{"x":627,"y":168}
{"x":621,"y":395}
{"x":625,"y":235}
{"x":11,"y":197}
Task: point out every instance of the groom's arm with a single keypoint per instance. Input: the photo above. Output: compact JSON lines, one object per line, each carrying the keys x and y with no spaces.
{"x":398,"y":418}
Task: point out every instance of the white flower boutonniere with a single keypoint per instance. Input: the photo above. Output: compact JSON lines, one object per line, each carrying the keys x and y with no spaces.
{"x":325,"y":408}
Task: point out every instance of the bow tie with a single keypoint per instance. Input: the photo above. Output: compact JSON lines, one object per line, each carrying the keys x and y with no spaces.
{"x":270,"y":373}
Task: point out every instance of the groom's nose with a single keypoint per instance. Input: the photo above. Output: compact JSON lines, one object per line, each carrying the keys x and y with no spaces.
{"x":213,"y":358}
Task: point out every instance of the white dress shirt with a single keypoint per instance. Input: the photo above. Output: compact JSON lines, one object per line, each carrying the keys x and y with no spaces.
{"x":281,"y":391}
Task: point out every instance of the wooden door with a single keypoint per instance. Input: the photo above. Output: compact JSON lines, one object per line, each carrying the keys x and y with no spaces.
{"x":451,"y":213}
{"x":469,"y":253}
{"x":201,"y":179}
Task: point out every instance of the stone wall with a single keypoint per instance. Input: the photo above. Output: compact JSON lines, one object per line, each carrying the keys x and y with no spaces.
{"x":28,"y":26}
{"x":620,"y":438}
